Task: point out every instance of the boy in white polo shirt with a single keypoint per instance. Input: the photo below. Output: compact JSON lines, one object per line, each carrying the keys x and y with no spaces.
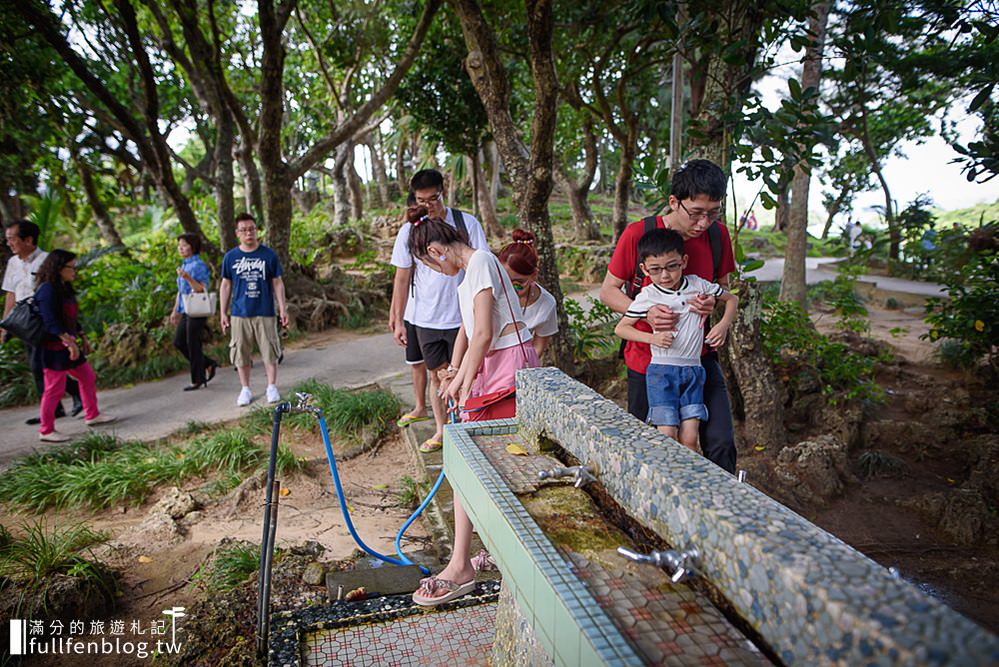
{"x":675,"y":378}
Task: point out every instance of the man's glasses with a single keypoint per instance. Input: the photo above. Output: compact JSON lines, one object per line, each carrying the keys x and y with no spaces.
{"x":711,"y":216}
{"x":672,"y":267}
{"x":246,"y":230}
{"x":433,"y":200}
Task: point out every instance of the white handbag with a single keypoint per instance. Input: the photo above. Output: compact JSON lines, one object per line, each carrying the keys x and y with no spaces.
{"x":200,"y":304}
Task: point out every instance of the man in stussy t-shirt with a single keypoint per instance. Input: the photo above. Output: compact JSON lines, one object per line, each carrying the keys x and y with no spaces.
{"x":251,"y":279}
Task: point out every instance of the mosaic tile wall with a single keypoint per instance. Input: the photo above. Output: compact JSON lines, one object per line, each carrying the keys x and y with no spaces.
{"x":515,"y":643}
{"x":814,"y":599}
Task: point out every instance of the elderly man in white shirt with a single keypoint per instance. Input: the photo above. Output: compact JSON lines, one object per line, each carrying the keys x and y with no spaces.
{"x":19,"y":284}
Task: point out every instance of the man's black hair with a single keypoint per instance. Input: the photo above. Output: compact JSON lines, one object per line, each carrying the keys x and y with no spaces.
{"x":660,"y":242}
{"x":426,"y":178}
{"x":411,"y":199}
{"x":25,"y":230}
{"x":699,"y":177}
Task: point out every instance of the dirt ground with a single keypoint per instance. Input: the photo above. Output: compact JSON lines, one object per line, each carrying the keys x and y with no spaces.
{"x":880,"y":516}
{"x":157,"y":562}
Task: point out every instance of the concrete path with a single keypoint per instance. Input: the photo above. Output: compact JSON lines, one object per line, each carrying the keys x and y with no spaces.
{"x":156,"y":409}
{"x":816,"y":270}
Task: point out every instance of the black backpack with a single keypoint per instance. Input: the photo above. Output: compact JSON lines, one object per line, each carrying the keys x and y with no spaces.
{"x":714,"y":238}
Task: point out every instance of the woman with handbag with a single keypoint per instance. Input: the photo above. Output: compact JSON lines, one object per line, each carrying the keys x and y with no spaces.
{"x":520,"y":260}
{"x":492,"y":344}
{"x":64,"y":346}
{"x":192,"y":295}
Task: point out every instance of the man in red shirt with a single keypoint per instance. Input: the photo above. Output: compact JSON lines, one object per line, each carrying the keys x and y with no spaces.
{"x":695,"y":205}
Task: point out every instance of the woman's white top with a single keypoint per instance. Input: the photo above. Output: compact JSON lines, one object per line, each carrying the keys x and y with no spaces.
{"x":541,"y":317}
{"x":485,"y":273}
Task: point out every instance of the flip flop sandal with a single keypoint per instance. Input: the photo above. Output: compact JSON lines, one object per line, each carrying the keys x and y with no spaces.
{"x":406,"y":420}
{"x":484,"y":562}
{"x":429,"y":446}
{"x":431,"y":585}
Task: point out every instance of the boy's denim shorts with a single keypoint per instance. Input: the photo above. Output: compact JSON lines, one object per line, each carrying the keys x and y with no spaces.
{"x":676,"y":393}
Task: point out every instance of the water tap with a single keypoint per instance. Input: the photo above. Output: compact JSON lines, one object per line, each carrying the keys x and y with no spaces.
{"x":581,"y":474}
{"x":303,"y":403}
{"x":681,"y":565}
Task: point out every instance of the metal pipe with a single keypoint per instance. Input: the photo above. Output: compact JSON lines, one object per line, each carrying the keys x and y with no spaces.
{"x":268,"y":562}
{"x":279,"y":412}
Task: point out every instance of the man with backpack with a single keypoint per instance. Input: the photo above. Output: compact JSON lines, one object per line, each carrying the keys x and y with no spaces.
{"x":425,"y":302}
{"x":696,"y":209}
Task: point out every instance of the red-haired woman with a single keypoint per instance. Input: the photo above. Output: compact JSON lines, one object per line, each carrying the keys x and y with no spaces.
{"x":520,"y":260}
{"x":492,"y":345}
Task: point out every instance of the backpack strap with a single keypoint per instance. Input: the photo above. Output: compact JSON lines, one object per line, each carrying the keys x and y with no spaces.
{"x":638,"y":276}
{"x":459,"y":223}
{"x":714,"y":239}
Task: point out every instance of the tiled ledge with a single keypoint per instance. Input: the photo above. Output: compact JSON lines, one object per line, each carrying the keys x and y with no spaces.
{"x":814,"y":599}
{"x":566,"y":619}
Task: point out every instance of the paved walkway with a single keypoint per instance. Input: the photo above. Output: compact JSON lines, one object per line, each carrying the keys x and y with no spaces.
{"x":816,"y":270}
{"x":156,"y":409}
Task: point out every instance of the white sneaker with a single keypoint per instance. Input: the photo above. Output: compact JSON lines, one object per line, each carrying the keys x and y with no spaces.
{"x":273,"y":395}
{"x":245,"y":396}
{"x":53,"y":436}
{"x":100,"y":419}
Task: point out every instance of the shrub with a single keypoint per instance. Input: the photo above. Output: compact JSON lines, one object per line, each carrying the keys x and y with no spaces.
{"x":841,"y":295}
{"x":794,"y":346}
{"x":591,"y":333}
{"x":230,"y":565}
{"x":970,"y":317}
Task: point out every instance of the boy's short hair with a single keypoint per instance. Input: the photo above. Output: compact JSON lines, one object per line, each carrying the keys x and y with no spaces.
{"x":659,"y":242}
{"x":699,"y":177}
{"x":426,"y":178}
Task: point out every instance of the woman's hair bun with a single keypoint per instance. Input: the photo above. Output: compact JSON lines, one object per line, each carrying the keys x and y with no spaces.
{"x":415,"y":213}
{"x":523,"y":236}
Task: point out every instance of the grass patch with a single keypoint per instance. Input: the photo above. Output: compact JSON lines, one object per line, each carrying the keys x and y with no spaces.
{"x":30,"y":561}
{"x":350,"y":415}
{"x":230,"y":565}
{"x":99,"y":471}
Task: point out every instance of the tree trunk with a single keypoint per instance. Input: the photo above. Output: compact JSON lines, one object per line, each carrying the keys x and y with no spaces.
{"x":354,"y":182}
{"x":383,"y":196}
{"x":781,"y":213}
{"x":622,"y":188}
{"x":225,"y":181}
{"x":104,"y":223}
{"x":894,"y":235}
{"x":341,"y":190}
{"x":792,"y":287}
{"x":530,"y":172}
{"x":833,"y":211}
{"x":578,"y":191}
{"x":253,"y":197}
{"x":487,"y":202}
{"x":755,"y":389}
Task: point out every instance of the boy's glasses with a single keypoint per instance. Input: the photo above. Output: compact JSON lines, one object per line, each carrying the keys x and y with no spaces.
{"x":712,"y":216}
{"x":672,"y":267}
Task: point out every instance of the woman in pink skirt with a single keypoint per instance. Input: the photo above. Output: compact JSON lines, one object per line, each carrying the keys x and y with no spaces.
{"x":492,"y":345}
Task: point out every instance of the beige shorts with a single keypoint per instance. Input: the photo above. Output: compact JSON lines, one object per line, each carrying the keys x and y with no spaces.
{"x":246,"y":330}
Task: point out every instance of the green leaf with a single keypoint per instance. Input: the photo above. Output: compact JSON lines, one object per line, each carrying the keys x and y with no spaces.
{"x":794,"y":87}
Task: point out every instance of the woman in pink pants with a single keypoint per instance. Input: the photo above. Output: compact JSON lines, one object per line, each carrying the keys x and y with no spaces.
{"x":64,"y":346}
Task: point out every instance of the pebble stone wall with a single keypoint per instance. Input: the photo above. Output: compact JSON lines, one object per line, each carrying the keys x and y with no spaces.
{"x":814,"y":599}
